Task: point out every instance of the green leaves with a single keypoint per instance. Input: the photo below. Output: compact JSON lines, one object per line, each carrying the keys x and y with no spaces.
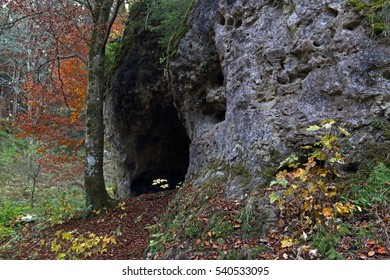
{"x":167,"y":18}
{"x":313,"y":128}
{"x":289,"y":161}
{"x":274,"y":197}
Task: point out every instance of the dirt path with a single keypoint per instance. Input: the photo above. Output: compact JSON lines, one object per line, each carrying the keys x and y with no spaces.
{"x":129,"y":222}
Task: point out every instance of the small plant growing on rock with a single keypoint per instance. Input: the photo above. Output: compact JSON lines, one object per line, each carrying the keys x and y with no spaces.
{"x":162,"y":182}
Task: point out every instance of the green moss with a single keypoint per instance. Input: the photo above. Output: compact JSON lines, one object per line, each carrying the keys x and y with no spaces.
{"x":326,"y":245}
{"x":117,"y":49}
{"x":379,"y":176}
{"x":378,"y":124}
{"x":228,"y":255}
{"x":221,"y":225}
{"x":375,"y":14}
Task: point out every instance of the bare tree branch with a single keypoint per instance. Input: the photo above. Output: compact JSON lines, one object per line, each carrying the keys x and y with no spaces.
{"x":112,"y":19}
{"x":10,"y":24}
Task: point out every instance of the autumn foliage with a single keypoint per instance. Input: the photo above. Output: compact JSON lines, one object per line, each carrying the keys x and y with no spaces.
{"x":53,"y":87}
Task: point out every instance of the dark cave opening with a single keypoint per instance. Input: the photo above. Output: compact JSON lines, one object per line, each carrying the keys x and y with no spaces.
{"x":161,"y":153}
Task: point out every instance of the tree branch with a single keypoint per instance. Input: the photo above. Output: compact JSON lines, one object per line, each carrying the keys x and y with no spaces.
{"x":11,"y":24}
{"x":112,"y":19}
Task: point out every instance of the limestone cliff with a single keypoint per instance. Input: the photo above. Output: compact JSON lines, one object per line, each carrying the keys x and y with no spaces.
{"x":248,"y":77}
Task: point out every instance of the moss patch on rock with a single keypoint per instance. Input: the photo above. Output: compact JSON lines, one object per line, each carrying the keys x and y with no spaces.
{"x":376,"y":15}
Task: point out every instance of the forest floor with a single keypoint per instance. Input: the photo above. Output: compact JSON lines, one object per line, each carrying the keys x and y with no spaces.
{"x":129,"y":223}
{"x":125,"y":231}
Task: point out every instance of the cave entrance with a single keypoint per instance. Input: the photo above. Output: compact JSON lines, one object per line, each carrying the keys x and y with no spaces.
{"x":162,"y":152}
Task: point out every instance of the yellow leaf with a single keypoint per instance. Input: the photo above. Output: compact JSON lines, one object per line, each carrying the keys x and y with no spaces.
{"x":67,"y":235}
{"x":307,"y":147}
{"x":313,"y":128}
{"x":327,"y":124}
{"x":327,"y":212}
{"x":343,"y":209}
{"x":308,"y":204}
{"x":331,"y":191}
{"x":61,"y":256}
{"x":112,"y":240}
{"x":346,"y":133}
{"x":287,"y":242}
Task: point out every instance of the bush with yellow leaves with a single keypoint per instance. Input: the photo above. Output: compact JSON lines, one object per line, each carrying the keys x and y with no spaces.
{"x":307,"y":193}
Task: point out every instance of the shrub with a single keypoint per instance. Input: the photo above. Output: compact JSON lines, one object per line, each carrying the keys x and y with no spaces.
{"x":307,"y":193}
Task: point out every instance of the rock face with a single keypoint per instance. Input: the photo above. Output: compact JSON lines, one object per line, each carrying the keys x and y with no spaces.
{"x":147,"y":137}
{"x":248,"y":78}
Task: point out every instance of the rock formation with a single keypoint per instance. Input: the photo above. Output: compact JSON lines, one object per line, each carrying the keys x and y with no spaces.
{"x":248,"y":78}
{"x":147,"y":138}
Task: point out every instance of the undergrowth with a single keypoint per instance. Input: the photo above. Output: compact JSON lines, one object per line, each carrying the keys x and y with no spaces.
{"x":318,"y":203}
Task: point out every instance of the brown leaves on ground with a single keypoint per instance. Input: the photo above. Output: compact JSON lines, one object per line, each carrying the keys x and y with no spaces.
{"x":129,"y":222}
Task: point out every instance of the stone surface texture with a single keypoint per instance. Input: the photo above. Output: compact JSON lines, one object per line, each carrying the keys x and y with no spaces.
{"x":250,"y":76}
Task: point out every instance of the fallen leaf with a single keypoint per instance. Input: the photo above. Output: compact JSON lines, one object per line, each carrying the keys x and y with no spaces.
{"x":327,"y":212}
{"x":331,"y":191}
{"x":371,"y":253}
{"x":382,"y":250}
{"x":361,"y":256}
{"x":287,"y":242}
{"x":343,"y":209}
{"x":237,"y":224}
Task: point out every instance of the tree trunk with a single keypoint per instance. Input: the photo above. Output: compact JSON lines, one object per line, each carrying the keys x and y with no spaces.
{"x":97,"y":194}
